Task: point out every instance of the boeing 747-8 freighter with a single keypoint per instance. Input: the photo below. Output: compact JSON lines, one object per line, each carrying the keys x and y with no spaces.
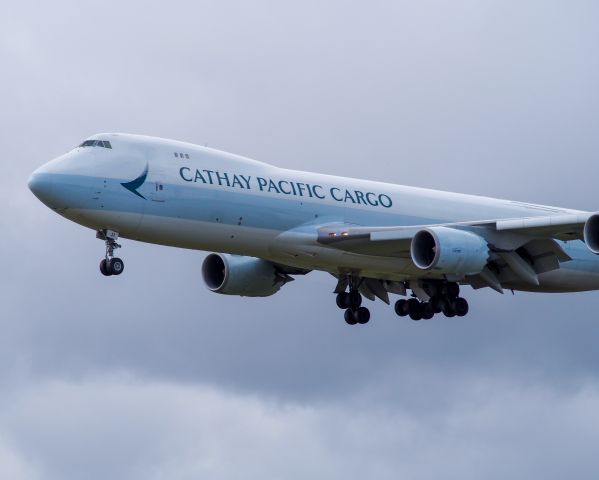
{"x":268,"y":224}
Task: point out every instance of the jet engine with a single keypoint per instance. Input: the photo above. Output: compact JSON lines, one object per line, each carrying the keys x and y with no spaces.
{"x":244,"y":276}
{"x":449,"y":251}
{"x":591,"y":233}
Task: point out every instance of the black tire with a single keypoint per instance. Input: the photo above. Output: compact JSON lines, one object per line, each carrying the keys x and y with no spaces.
{"x":414,"y":309}
{"x":437,"y":304}
{"x":355,"y":299}
{"x":448,"y":310}
{"x":350,"y":317}
{"x":116,"y":266}
{"x":401,"y":307}
{"x":452,"y":290}
{"x":104,"y":268}
{"x":427,"y":311}
{"x":460,"y":306}
{"x":363,"y":315}
{"x":343,"y":300}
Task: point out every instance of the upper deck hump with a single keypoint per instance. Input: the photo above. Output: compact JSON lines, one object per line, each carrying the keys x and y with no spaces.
{"x":178,"y":145}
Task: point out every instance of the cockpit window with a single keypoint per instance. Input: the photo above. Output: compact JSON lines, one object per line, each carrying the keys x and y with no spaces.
{"x":96,"y":143}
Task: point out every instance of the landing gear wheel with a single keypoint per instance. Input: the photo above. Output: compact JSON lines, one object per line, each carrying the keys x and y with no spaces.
{"x":427,"y":311}
{"x":460,"y":306}
{"x":452,"y":290}
{"x":104,"y":268}
{"x":343,"y":300}
{"x":414,"y":309}
{"x":350,"y":318}
{"x":355,"y":299}
{"x":401,"y":307}
{"x":362,"y":314}
{"x":448,"y":310}
{"x":110,"y":265}
{"x":116,"y":266}
{"x":437,"y":304}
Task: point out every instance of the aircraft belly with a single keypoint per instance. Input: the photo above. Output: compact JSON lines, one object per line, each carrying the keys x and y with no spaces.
{"x":259,"y":242}
{"x":126,"y":223}
{"x":560,"y":281}
{"x":569,"y":280}
{"x":207,"y":236}
{"x":336,"y":261}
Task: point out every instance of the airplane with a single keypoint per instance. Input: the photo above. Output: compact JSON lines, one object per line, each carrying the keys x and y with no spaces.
{"x":269,"y":224}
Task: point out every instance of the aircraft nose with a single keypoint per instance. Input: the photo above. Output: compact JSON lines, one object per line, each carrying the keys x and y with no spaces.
{"x":43,"y":187}
{"x":39,"y":184}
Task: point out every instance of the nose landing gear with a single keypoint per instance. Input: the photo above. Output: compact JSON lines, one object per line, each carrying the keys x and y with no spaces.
{"x":110,"y":265}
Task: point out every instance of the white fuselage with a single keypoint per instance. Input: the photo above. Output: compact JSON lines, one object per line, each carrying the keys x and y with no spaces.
{"x":199,"y":198}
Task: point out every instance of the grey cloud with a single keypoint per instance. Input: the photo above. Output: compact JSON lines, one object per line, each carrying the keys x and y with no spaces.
{"x":498,"y":99}
{"x":14,"y":465}
{"x":118,"y":427}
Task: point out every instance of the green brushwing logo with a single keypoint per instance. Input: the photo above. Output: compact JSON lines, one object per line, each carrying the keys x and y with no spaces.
{"x":133,"y":185}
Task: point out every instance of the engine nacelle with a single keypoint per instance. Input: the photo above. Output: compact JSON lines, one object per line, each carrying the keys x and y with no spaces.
{"x":449,"y":251}
{"x":591,"y":233}
{"x":244,"y":276}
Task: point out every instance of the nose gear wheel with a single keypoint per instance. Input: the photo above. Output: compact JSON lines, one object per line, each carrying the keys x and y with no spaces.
{"x":110,"y":265}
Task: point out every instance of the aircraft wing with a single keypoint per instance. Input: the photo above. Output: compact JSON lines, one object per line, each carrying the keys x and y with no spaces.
{"x":560,"y":227}
{"x":501,"y":233}
{"x":521,"y":248}
{"x":384,"y":241}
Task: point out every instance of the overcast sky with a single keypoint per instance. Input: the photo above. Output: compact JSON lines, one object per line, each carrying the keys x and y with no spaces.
{"x":151,"y":376}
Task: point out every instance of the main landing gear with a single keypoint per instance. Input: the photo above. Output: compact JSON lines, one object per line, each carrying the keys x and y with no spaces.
{"x":351,"y":302}
{"x":110,"y":265}
{"x":446,"y":299}
{"x":442,"y":297}
{"x":418,"y":310}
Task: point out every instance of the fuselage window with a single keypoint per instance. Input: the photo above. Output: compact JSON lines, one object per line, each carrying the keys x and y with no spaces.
{"x":187,"y":155}
{"x":176,"y":155}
